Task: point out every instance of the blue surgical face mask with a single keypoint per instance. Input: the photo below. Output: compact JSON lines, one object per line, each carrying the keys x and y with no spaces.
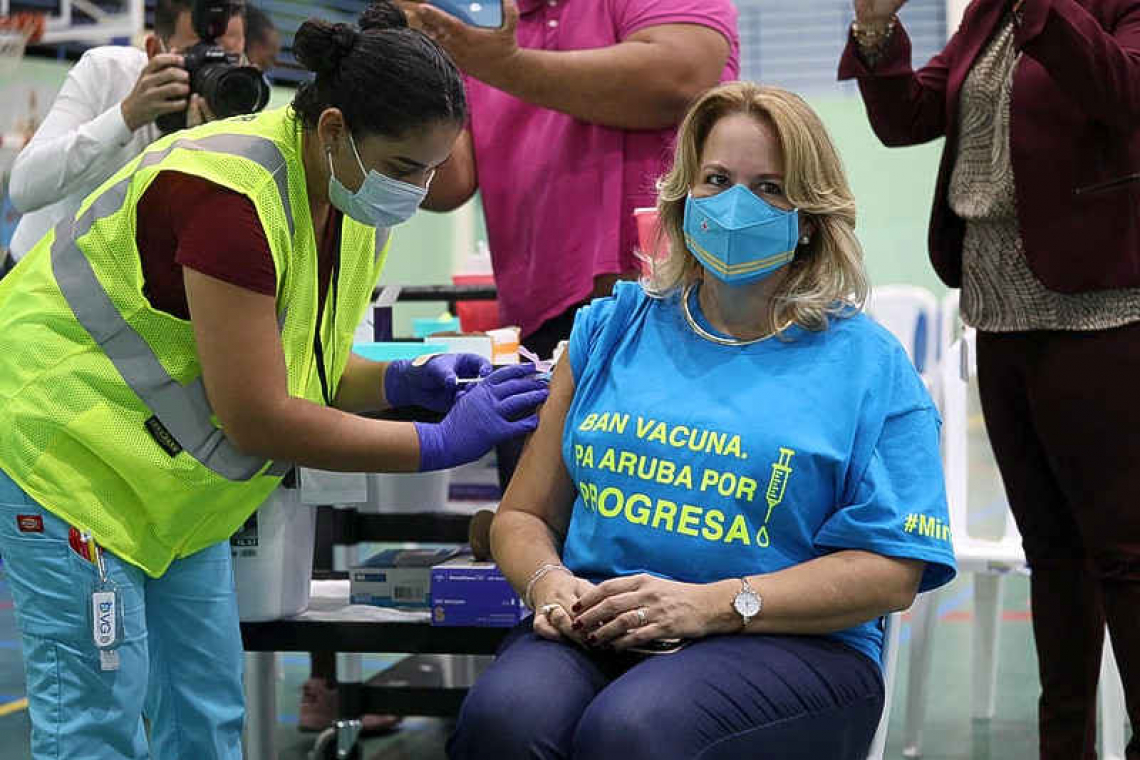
{"x":381,"y":201}
{"x":738,"y":236}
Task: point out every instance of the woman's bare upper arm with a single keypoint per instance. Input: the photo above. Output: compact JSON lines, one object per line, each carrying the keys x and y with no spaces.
{"x":243,"y":365}
{"x":541,"y":485}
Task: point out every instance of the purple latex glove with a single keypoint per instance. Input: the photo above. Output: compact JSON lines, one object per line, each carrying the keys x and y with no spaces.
{"x":432,"y":384}
{"x":500,"y":407}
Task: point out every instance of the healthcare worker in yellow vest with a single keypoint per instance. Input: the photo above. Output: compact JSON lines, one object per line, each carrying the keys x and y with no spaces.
{"x":134,"y":443}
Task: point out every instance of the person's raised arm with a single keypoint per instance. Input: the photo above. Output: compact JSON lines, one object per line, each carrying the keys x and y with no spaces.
{"x":646,"y":81}
{"x":79,"y":142}
{"x":905,"y":107}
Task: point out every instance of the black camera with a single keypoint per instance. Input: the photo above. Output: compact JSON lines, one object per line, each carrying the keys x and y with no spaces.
{"x":229,"y":88}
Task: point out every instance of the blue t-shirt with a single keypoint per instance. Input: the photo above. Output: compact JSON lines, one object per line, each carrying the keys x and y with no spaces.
{"x":698,"y":461}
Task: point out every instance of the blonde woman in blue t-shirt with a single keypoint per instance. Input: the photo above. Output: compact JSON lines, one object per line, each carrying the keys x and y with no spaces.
{"x":734,"y":457}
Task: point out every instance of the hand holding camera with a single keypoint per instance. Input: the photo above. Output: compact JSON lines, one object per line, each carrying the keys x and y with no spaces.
{"x":162,"y":88}
{"x":226,"y":86}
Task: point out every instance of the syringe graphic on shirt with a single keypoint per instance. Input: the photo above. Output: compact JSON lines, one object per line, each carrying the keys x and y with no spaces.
{"x":774,"y":495}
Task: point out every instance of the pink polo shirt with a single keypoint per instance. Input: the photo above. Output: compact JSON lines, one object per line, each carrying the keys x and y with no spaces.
{"x":559,"y":193}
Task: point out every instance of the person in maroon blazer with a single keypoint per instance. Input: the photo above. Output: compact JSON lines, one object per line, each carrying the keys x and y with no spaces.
{"x":1037,"y":219}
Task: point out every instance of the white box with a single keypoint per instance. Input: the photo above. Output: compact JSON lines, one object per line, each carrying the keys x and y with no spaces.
{"x":464,"y":344}
{"x":404,"y":492}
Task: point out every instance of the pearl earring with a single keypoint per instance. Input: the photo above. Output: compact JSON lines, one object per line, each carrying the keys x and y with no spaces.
{"x":805,"y":240}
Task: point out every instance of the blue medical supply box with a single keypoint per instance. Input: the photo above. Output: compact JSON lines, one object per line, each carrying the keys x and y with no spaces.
{"x":396,"y":577}
{"x":469,"y":593}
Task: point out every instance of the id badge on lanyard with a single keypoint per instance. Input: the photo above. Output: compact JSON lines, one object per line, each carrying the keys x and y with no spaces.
{"x":106,"y":614}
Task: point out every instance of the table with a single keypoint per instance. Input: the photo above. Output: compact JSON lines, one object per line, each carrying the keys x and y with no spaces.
{"x":332,"y":624}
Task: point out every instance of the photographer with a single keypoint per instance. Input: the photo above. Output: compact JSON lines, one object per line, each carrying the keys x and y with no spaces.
{"x":104,"y":116}
{"x":262,"y":40}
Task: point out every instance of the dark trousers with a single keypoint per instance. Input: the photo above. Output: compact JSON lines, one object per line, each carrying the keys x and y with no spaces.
{"x":542,"y":341}
{"x":721,"y":698}
{"x":1063,"y":415}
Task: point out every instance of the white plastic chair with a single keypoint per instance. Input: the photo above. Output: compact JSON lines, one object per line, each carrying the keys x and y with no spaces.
{"x":890,"y":673}
{"x":1111,"y":706}
{"x":989,"y":560}
{"x":911,"y":314}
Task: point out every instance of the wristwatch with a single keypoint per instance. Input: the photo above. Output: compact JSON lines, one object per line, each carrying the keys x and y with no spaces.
{"x":747,"y":602}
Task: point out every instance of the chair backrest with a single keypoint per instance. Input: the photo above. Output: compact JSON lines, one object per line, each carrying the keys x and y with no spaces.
{"x":959,"y":364}
{"x":949,"y":322}
{"x":911,"y":314}
{"x":952,"y":387}
{"x":891,"y":635}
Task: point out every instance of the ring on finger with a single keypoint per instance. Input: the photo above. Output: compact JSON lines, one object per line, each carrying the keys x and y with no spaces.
{"x":642,"y":617}
{"x":546,"y":609}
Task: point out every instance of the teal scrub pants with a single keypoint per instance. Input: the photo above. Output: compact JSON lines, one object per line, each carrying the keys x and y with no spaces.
{"x":180,"y":661}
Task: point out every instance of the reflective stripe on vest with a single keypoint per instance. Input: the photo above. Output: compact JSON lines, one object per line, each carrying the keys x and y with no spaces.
{"x":183,"y":410}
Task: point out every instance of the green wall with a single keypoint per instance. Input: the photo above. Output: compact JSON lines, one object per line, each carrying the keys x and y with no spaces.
{"x":894,"y":188}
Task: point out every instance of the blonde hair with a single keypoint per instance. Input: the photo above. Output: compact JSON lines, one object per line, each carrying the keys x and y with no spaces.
{"x":827,"y":275}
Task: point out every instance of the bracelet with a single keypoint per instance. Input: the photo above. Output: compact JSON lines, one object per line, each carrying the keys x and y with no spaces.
{"x":535,"y":577}
{"x":873,"y":37}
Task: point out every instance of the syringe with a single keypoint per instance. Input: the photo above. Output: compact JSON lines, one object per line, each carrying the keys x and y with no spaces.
{"x":779,"y":480}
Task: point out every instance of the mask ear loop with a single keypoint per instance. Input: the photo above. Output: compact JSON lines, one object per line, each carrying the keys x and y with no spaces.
{"x":328,"y":155}
{"x":355,"y":152}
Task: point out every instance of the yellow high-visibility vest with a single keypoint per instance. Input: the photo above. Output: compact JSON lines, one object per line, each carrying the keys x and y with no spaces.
{"x":104,"y":418}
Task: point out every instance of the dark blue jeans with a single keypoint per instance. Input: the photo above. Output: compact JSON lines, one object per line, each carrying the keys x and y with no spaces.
{"x":730,"y":697}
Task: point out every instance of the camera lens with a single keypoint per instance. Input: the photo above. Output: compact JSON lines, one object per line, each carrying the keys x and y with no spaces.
{"x":241,"y":91}
{"x":232,"y":90}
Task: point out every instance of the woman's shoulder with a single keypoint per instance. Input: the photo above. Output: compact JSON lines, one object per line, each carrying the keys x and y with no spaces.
{"x":602,"y":323}
{"x":864,"y":341}
{"x":625,"y":299}
{"x":856,"y":328}
{"x":628,"y":295}
{"x":875,"y":354}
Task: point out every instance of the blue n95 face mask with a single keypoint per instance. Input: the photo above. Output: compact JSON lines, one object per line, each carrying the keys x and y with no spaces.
{"x":381,"y":201}
{"x":738,"y":236}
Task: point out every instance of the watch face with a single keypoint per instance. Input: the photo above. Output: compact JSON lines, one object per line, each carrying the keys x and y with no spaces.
{"x":747,"y":603}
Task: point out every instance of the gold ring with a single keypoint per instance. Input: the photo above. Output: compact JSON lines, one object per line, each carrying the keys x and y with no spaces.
{"x":546,"y":609}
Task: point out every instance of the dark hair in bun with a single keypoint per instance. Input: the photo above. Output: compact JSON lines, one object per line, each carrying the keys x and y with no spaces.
{"x":384,"y":77}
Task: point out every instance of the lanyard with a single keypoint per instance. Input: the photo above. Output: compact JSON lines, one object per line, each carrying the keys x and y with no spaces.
{"x":330,"y":309}
{"x":106,"y":616}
